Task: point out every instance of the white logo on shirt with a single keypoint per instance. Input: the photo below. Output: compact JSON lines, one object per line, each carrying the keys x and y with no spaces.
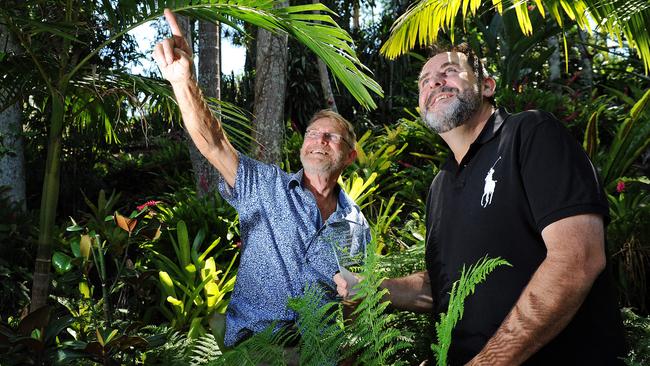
{"x":490,"y":184}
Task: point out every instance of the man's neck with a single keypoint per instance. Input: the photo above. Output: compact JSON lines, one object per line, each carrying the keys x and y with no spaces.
{"x":460,"y":138}
{"x":323,"y":187}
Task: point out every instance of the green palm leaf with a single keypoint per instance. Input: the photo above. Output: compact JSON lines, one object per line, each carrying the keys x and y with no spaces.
{"x":621,"y":19}
{"x":318,"y":32}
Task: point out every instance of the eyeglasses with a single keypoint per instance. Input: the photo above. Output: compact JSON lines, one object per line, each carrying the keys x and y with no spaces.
{"x":328,"y":136}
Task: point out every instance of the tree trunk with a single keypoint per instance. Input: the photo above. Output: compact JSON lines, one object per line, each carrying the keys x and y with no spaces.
{"x":203,"y":178}
{"x":330,"y":102}
{"x":356,"y":15}
{"x":206,"y":177}
{"x":12,"y":160}
{"x":587,"y":68}
{"x":270,"y":89}
{"x":554,"y":63}
{"x":49,"y":201}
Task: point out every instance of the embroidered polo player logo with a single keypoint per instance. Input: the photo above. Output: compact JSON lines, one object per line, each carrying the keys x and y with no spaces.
{"x":490,"y":185}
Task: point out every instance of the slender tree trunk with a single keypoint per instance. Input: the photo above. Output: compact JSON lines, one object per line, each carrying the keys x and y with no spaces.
{"x":270,"y":90}
{"x":330,"y":102}
{"x":356,"y":15}
{"x":49,"y":201}
{"x":12,"y":160}
{"x":206,"y":176}
{"x":204,"y":179}
{"x":587,"y":69}
{"x":554,"y":61}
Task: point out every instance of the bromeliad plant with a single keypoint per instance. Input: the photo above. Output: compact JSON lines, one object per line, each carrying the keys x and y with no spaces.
{"x":193,"y":288}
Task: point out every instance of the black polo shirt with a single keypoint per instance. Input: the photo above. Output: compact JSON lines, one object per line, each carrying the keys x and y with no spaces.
{"x":523,"y":172}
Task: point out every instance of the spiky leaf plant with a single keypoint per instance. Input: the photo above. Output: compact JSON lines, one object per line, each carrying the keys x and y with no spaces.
{"x":460,"y":290}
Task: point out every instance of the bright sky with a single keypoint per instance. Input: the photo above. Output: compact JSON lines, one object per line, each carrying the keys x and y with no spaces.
{"x":232,"y":57}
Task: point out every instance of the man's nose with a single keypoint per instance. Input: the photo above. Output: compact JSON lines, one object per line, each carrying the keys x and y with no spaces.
{"x":437,"y":81}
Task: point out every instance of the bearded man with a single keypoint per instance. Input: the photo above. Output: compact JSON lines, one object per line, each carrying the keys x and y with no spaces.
{"x":519,"y":187}
{"x":292,"y":225}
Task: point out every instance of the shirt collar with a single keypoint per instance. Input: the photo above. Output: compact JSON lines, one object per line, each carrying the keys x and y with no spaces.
{"x":296,"y":179}
{"x":493,"y":126}
{"x":344,"y":202}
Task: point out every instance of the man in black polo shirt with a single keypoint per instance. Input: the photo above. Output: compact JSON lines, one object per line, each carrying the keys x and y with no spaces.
{"x":519,"y":187}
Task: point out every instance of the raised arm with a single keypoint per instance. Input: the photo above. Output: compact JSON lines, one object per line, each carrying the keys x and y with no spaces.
{"x":575,"y":257}
{"x":174,"y":58}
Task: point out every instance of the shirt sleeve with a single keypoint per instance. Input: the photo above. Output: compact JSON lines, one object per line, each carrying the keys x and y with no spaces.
{"x":250,"y":184}
{"x":559,"y":179}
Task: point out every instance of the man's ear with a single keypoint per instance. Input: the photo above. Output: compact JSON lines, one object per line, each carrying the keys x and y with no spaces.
{"x":352,"y":156}
{"x":489,"y":86}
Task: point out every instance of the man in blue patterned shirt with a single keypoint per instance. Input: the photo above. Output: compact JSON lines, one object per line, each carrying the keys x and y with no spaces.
{"x":294,"y":227}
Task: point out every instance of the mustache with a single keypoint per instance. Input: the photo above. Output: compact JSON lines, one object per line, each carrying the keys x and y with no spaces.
{"x":444,"y":89}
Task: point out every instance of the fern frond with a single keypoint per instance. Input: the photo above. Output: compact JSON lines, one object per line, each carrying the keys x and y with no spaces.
{"x":265,"y":347}
{"x":320,"y":334}
{"x":203,"y":349}
{"x":371,"y":337}
{"x":460,"y":290}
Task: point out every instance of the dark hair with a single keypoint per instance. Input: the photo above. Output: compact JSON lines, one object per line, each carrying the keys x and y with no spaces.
{"x":472,"y":59}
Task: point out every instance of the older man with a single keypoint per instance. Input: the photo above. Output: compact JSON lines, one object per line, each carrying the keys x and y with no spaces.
{"x":516,"y":186}
{"x":292,"y":225}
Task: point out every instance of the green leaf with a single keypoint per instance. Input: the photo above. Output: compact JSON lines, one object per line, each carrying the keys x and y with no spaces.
{"x":640,"y":106}
{"x":62,"y":262}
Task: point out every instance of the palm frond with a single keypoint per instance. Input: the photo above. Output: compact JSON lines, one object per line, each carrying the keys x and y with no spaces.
{"x":146,"y":96}
{"x":318,"y":32}
{"x":620,"y":19}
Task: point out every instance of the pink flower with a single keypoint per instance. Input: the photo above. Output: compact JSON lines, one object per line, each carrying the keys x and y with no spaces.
{"x":620,"y":186}
{"x":147,"y":204}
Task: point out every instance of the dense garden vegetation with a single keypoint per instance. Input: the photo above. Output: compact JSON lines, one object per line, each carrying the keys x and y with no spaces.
{"x":142,"y":261}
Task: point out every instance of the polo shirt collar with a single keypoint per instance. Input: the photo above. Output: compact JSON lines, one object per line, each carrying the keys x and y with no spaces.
{"x":493,"y":126}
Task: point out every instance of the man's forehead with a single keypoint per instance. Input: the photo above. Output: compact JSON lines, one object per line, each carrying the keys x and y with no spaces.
{"x":445,"y":58}
{"x":324,"y":122}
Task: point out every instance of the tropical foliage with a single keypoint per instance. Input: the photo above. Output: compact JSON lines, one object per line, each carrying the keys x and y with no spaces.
{"x":141,"y":268}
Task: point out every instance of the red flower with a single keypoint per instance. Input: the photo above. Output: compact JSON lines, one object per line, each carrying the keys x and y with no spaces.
{"x":620,"y":186}
{"x":147,"y":204}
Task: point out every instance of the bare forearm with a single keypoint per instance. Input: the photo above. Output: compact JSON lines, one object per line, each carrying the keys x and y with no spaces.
{"x":205,"y":130}
{"x":411,"y":293}
{"x":543,"y":310}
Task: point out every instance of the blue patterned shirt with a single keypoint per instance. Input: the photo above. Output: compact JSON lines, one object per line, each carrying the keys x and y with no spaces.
{"x":285,"y":245}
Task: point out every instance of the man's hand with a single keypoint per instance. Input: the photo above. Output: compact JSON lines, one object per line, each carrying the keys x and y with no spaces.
{"x":343,"y":287}
{"x":173,"y":55}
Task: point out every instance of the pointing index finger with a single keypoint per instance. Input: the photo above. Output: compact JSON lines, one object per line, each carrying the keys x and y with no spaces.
{"x":173,"y":24}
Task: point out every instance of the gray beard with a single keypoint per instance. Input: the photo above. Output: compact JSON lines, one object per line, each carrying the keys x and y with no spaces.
{"x":322,"y":168}
{"x":456,"y":114}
